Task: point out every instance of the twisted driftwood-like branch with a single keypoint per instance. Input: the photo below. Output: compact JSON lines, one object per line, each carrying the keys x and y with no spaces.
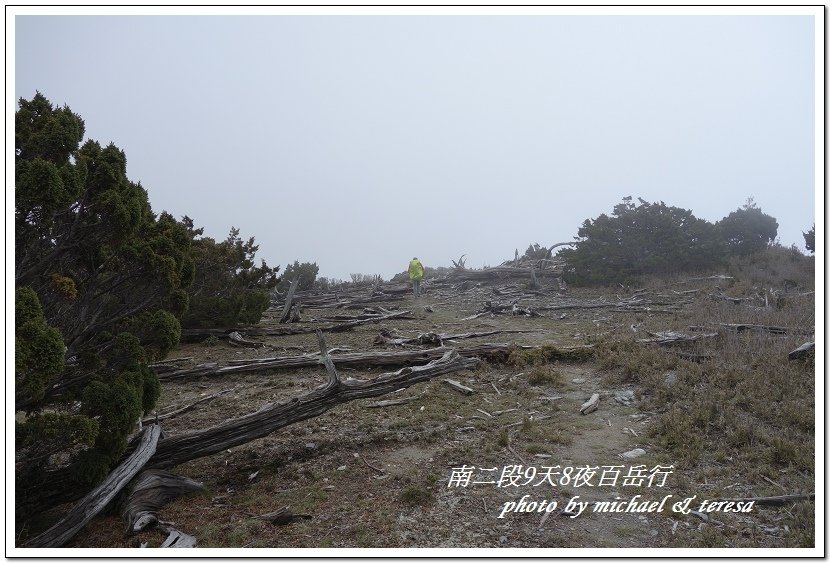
{"x":235,"y":432}
{"x":349,"y":359}
{"x":199,"y":334}
{"x":179,"y":449}
{"x":100,"y":497}
{"x":152,"y":489}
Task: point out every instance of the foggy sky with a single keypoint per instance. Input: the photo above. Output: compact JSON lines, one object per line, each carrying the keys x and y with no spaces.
{"x":358,"y":142}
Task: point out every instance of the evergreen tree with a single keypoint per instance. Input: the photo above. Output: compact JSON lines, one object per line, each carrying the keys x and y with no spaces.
{"x":748,"y":229}
{"x":810,"y":239}
{"x":229,"y":289}
{"x":650,"y":238}
{"x":306,"y":272}
{"x":536,"y":252}
{"x":99,"y":284}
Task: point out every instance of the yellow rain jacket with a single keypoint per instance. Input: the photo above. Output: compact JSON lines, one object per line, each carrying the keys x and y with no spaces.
{"x":416,"y":270}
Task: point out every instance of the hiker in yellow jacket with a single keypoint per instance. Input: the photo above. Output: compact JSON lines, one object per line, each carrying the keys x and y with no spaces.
{"x":416,"y":274}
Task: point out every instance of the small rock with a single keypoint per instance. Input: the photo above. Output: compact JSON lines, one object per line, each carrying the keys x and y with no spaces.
{"x":578,"y":380}
{"x":636,"y":452}
{"x":429,"y":309}
{"x":625,"y":397}
{"x":311,"y":446}
{"x":355,"y":455}
{"x":253,"y":475}
{"x":503,"y":539}
{"x":670,"y":378}
{"x":343,"y":467}
{"x":329,"y":488}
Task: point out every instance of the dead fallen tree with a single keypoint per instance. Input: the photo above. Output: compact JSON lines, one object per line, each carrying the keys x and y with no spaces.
{"x":513,"y":308}
{"x":350,"y":359}
{"x":181,"y":410}
{"x":369,"y":313}
{"x":199,"y":334}
{"x":394,"y":402}
{"x":669,"y":338}
{"x":236,"y":339}
{"x":97,"y":499}
{"x":289,"y":313}
{"x":386,"y":336}
{"x":148,"y":492}
{"x":178,"y":449}
{"x":764,"y":328}
{"x":503,"y":272}
{"x":185,"y":447}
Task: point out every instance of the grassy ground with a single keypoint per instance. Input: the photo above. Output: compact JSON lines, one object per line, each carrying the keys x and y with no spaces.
{"x":738,"y":424}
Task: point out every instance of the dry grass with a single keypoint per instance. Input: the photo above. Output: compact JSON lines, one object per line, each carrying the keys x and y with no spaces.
{"x":742,"y":421}
{"x":738,"y":424}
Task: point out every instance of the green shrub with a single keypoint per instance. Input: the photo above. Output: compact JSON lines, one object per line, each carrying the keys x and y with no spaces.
{"x":99,"y":282}
{"x":637,"y":240}
{"x":229,"y":290}
{"x":306,"y":273}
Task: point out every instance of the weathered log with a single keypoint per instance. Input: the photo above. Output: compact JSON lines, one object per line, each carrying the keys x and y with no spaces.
{"x":181,"y":448}
{"x":97,"y":499}
{"x":802,"y":351}
{"x":558,"y":244}
{"x":431,"y":338}
{"x":184,"y":409}
{"x":236,"y":339}
{"x":346,"y":360}
{"x":286,"y":312}
{"x":394,"y":402}
{"x":669,"y":338}
{"x":56,"y":487}
{"x":494,"y":274}
{"x":764,"y":328}
{"x":148,"y":492}
{"x":197,"y":335}
{"x":463,"y":389}
{"x":294,"y":314}
{"x":169,"y":361}
{"x":477,"y":315}
{"x":534,"y":283}
{"x":368,"y":314}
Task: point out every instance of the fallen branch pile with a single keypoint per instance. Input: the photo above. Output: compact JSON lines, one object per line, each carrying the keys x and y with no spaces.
{"x":200,"y":334}
{"x":153,"y":453}
{"x":349,"y":359}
